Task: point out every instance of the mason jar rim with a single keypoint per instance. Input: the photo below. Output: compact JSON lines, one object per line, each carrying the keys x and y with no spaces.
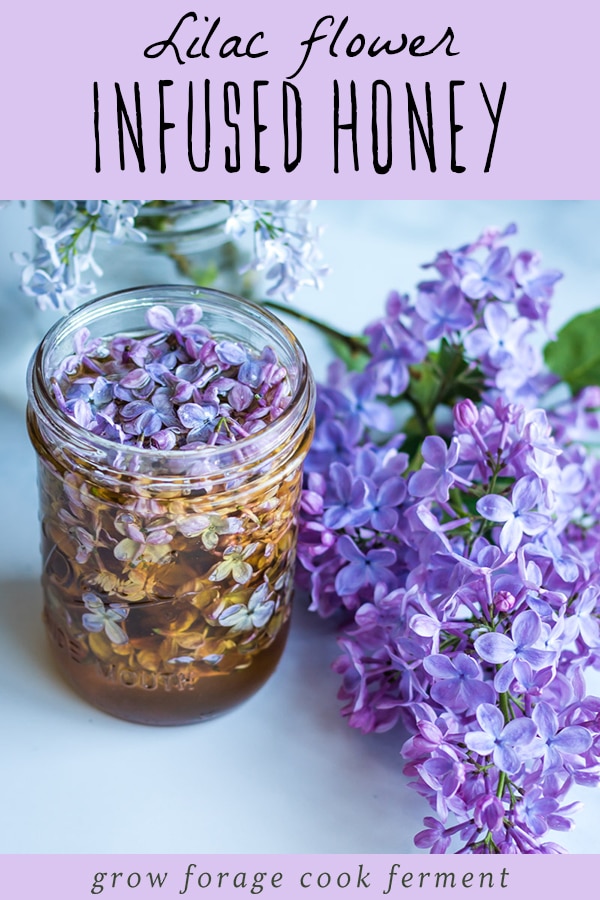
{"x":257,"y":446}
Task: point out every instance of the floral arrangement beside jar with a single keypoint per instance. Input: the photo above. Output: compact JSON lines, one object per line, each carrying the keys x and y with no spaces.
{"x":450,"y":519}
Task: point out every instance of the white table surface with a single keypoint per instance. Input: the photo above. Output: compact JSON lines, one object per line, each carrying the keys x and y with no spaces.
{"x":284,"y":773}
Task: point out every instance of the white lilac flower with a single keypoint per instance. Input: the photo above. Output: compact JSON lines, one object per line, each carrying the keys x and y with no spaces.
{"x":234,"y":564}
{"x":105,"y":618}
{"x":209,"y":527}
{"x":60,"y":274}
{"x":256,"y":614}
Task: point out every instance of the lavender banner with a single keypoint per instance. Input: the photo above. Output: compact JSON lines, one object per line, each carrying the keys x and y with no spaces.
{"x":333,"y":99}
{"x":226,"y":877}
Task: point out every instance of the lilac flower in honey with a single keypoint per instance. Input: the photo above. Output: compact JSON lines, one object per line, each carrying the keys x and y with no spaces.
{"x":508,"y":743}
{"x":256,"y":614}
{"x":209,"y":527}
{"x":198,"y":419}
{"x":234,"y":563}
{"x":105,"y":618}
{"x":141,"y":543}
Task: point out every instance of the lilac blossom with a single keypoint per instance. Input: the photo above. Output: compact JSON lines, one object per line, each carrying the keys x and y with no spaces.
{"x":62,"y":271}
{"x":435,"y":477}
{"x":507,"y":742}
{"x":173,"y":388}
{"x":470,"y":609}
{"x":556,"y":742}
{"x":105,"y":618}
{"x":515,"y":514}
{"x":362,"y":568}
{"x":459,"y":684}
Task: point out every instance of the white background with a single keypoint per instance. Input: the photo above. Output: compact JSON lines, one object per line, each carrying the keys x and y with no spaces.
{"x":284,"y":773}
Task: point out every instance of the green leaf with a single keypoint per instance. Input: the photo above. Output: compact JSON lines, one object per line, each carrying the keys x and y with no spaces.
{"x":424,"y":385}
{"x":575,"y":355}
{"x":354,"y":359}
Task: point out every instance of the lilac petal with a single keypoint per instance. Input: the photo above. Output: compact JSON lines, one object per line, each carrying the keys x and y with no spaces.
{"x":496,"y":319}
{"x":476,"y":691}
{"x":349,"y":579}
{"x":230,"y":353}
{"x":520,"y":731}
{"x":434,"y":451}
{"x":490,"y":718}
{"x":115,"y":634}
{"x":494,"y":647}
{"x":382,"y":557}
{"x":384,"y":520}
{"x":506,"y":759}
{"x":348,"y":549}
{"x":480,"y":742}
{"x":192,"y":415}
{"x":135,"y":379}
{"x":161,"y":319}
{"x":466,"y":665}
{"x":511,"y":535}
{"x":546,"y":720}
{"x":533,"y":523}
{"x":134,"y":409}
{"x":538,"y":659}
{"x":504,"y":678}
{"x":573,"y":739}
{"x":160,"y":536}
{"x":240,"y":397}
{"x":590,"y":631}
{"x":447,"y":693}
{"x":262,"y":614}
{"x":495,"y":508}
{"x":527,"y":628}
{"x":187,"y":315}
{"x":439,"y":666}
{"x":392,"y":492}
{"x":92,"y":622}
{"x":525,"y":494}
{"x":498,"y":262}
{"x":477,"y":343}
{"x":423,"y":482}
{"x":149,"y":423}
{"x":424,"y":626}
{"x":474,"y":286}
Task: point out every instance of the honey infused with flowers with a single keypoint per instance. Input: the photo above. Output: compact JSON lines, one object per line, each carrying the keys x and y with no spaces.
{"x":171,"y":426}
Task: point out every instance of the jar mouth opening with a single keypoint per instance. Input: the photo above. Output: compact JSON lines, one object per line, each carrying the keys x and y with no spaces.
{"x":295,"y":416}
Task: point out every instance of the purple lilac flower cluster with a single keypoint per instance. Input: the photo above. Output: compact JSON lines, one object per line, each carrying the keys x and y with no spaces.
{"x":455,"y":523}
{"x":60,"y":273}
{"x":175,"y":388}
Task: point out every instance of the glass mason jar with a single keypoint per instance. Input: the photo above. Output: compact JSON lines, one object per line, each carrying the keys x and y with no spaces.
{"x":179,"y":628}
{"x":185,"y":242}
